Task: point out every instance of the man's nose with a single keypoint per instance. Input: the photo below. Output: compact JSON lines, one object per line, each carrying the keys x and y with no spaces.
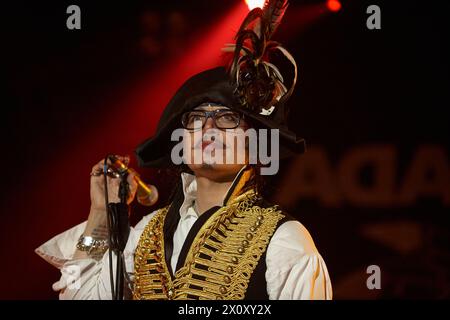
{"x":209,"y":123}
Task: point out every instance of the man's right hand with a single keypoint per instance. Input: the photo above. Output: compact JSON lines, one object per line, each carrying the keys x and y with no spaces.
{"x":98,"y":186}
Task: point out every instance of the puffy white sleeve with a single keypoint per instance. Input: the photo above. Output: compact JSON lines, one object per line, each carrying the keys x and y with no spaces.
{"x":86,"y":279}
{"x":295,"y":269}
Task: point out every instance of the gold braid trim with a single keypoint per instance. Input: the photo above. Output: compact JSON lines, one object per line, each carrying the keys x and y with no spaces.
{"x":221,"y":259}
{"x":150,"y":270}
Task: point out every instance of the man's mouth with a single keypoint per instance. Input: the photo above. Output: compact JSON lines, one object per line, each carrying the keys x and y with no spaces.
{"x":215,"y":144}
{"x":205,"y":144}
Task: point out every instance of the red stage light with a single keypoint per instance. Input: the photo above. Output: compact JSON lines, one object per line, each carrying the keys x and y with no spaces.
{"x":334,"y":5}
{"x":252,"y":4}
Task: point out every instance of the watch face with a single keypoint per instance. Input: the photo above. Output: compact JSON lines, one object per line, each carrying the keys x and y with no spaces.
{"x":88,"y":241}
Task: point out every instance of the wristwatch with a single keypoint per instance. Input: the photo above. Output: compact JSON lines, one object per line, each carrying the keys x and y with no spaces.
{"x":92,"y":245}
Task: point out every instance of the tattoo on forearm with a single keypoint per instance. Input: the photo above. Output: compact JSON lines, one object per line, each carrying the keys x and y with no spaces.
{"x":100,"y":232}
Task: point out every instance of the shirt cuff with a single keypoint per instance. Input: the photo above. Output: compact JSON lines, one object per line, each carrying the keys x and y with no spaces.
{"x":60,"y":249}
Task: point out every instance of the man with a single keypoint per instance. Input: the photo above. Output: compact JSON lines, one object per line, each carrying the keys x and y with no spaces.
{"x":217,"y":211}
{"x":218,"y":238}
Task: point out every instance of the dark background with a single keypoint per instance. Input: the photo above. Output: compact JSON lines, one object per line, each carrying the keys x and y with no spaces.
{"x":73,"y":96}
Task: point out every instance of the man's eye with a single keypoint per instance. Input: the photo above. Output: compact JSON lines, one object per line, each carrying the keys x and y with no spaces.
{"x":229,"y":117}
{"x":196,"y":118}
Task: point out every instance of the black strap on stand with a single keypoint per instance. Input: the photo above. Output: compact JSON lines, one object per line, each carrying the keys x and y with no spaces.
{"x":119,"y":230}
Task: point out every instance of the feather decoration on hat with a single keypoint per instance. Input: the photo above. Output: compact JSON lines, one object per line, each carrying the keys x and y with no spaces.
{"x":259,"y":83}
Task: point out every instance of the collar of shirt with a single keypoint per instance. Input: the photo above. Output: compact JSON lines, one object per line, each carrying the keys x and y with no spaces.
{"x":190,"y":193}
{"x":189,"y":183}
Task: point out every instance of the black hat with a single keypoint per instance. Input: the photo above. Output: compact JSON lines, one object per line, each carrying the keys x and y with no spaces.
{"x":251,"y":85}
{"x":213,"y":86}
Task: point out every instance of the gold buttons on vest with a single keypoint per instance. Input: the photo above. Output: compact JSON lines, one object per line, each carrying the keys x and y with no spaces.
{"x":222,"y":290}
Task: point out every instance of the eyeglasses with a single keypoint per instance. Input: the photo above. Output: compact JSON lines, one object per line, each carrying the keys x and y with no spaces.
{"x":223,"y":119}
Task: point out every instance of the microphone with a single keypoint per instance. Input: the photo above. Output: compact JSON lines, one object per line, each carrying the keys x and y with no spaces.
{"x":146,"y":194}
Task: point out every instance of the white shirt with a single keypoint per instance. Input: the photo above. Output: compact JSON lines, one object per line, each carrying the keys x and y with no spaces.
{"x":295,"y":269}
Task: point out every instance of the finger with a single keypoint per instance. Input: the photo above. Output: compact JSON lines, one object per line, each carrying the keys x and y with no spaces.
{"x":99,"y":167}
{"x":132,"y":174}
{"x":133,"y":185}
{"x":124,"y":159}
{"x":97,"y":170}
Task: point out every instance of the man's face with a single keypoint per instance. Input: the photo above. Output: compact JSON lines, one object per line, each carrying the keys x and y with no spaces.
{"x":212,"y":152}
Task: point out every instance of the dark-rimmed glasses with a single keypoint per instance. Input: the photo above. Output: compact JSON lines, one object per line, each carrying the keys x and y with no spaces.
{"x":223,"y":119}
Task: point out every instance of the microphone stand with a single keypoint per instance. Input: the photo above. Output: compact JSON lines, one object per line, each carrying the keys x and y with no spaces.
{"x":119,"y":230}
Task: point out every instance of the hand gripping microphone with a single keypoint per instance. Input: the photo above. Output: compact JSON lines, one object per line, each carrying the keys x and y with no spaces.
{"x":146,"y":194}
